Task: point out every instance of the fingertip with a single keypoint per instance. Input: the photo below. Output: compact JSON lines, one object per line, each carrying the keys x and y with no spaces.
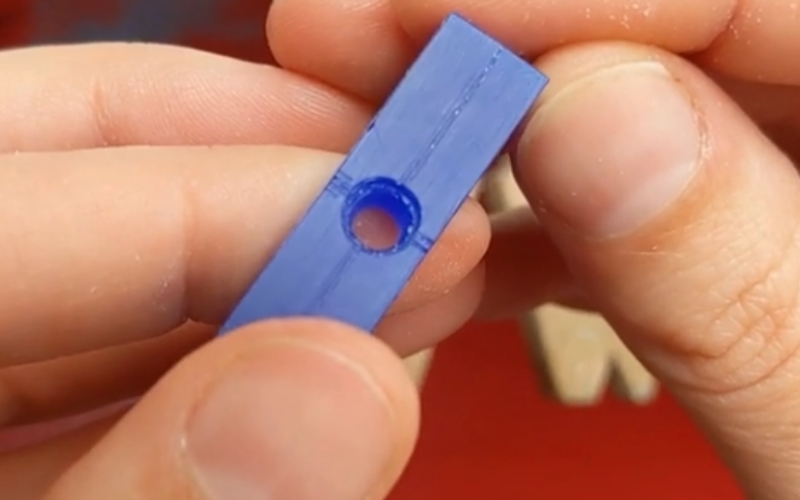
{"x":379,"y":372}
{"x":373,"y":359}
{"x":410,"y":331}
{"x":664,"y":111}
{"x":454,"y":256}
{"x":616,"y":182}
{"x":355,"y":45}
{"x":420,"y":19}
{"x":292,"y":408}
{"x":288,"y":25}
{"x":339,"y":404}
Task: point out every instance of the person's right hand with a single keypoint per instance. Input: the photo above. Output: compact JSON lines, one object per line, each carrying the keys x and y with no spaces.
{"x":666,"y":186}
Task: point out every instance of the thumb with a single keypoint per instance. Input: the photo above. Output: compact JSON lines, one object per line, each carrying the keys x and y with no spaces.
{"x":293,"y":410}
{"x":680,"y":220}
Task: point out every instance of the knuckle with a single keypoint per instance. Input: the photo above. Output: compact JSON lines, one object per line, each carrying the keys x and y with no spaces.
{"x":751,"y":333}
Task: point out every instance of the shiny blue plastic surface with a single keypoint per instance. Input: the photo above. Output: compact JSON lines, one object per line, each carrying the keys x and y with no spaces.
{"x":416,"y":163}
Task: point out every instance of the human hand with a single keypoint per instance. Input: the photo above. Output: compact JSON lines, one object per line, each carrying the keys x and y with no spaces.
{"x":665,"y":186}
{"x":126,"y":239}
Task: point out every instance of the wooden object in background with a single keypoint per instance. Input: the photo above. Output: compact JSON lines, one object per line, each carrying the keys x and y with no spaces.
{"x":577,"y":352}
{"x":580,"y":356}
{"x":418,"y":365}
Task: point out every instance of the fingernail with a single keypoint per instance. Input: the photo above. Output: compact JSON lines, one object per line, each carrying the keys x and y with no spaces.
{"x":293,"y":422}
{"x":612,"y":150}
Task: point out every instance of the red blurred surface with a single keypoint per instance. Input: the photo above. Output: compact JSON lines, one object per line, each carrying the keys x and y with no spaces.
{"x":14,"y":23}
{"x":238,"y":29}
{"x":12,"y":6}
{"x":489,"y":433}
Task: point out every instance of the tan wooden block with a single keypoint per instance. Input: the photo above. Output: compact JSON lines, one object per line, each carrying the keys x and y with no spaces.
{"x":581,"y":355}
{"x":418,"y":365}
{"x":477,"y":191}
{"x":500,"y":191}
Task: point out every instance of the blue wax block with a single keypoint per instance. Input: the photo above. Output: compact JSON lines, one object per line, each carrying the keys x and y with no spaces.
{"x":416,"y":163}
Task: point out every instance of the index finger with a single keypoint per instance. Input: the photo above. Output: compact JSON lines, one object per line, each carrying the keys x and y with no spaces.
{"x":115,"y":94}
{"x":749,"y":39}
{"x":109,"y":246}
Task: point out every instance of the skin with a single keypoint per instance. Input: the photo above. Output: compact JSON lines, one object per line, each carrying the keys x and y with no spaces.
{"x":677,"y":218}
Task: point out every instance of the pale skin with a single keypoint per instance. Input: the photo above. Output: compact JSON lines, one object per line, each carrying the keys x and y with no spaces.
{"x":660,"y":162}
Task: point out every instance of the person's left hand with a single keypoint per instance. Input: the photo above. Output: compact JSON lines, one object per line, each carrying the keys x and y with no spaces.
{"x":126,"y":238}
